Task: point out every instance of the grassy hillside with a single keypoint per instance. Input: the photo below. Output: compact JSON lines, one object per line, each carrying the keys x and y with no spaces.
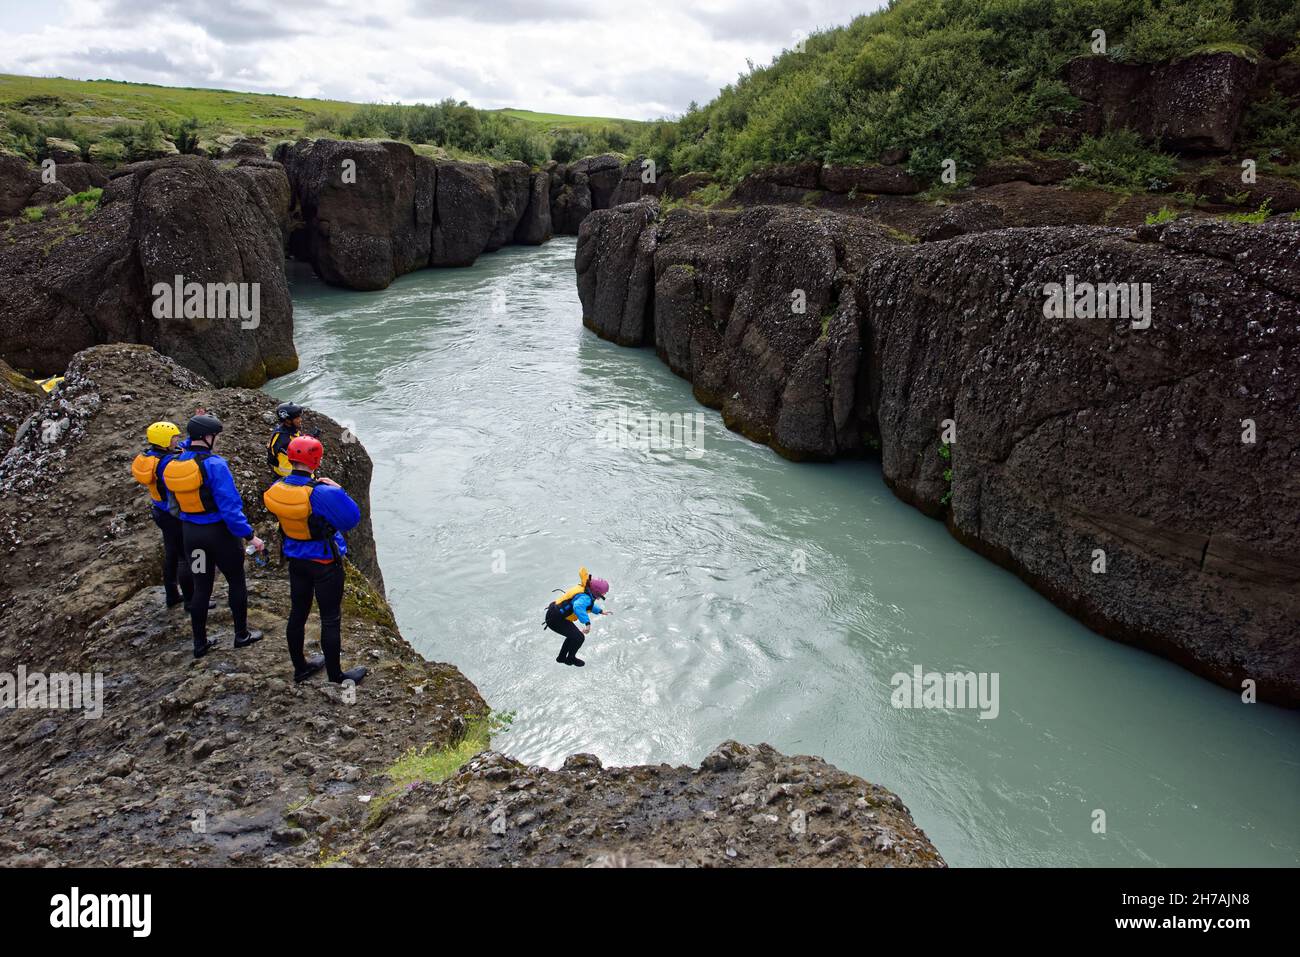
{"x":124,"y":120}
{"x":969,"y":79}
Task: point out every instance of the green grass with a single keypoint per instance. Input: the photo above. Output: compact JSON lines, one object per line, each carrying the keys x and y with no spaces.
{"x":558,"y":120}
{"x":430,"y":764}
{"x":1258,"y":216}
{"x":114,"y":114}
{"x":1166,"y":215}
{"x":105,"y":102}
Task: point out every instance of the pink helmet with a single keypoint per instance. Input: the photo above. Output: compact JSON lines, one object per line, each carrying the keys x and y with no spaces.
{"x":598,"y":587}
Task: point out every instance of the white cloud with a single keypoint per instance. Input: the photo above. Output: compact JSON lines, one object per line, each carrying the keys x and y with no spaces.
{"x":564,"y":56}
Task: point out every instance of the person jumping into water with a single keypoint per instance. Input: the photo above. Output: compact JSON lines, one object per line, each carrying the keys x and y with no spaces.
{"x":576,"y":605}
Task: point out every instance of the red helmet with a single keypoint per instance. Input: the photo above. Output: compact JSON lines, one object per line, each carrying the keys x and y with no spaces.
{"x":306,"y":451}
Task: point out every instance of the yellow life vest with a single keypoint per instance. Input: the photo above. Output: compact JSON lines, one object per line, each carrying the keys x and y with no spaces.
{"x":291,"y":504}
{"x":275,"y":458}
{"x":144,"y":469}
{"x":565,"y":601}
{"x":186,"y":480}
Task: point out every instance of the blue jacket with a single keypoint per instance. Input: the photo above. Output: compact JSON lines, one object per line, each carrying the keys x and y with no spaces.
{"x":584,"y":603}
{"x":163,"y":458}
{"x":230,"y":507}
{"x":333,"y":505}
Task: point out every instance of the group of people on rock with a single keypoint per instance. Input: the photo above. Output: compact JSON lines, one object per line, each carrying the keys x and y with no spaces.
{"x":200,"y":513}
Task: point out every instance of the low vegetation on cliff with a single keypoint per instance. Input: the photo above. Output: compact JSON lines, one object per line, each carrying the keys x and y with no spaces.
{"x":112,"y":122}
{"x":970,"y":80}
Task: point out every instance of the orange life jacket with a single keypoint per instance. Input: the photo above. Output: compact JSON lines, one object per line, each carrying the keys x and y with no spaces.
{"x":144,"y":469}
{"x":565,"y":601}
{"x":187,"y":480}
{"x":291,"y":504}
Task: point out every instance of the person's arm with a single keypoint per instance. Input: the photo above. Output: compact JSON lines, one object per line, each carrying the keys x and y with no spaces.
{"x":580,"y":606}
{"x":224,"y":493}
{"x":335,"y":506}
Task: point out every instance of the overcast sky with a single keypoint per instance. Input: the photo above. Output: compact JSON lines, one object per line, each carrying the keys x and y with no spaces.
{"x":629,"y":58}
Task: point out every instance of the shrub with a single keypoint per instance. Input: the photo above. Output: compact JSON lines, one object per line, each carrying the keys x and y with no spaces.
{"x":1258,"y":216}
{"x":1120,"y":160}
{"x":33,"y":214}
{"x":962,"y":79}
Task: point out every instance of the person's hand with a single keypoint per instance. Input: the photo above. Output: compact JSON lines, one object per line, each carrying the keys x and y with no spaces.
{"x":587,"y":630}
{"x":257,"y":543}
{"x":327,"y":481}
{"x":606,"y":613}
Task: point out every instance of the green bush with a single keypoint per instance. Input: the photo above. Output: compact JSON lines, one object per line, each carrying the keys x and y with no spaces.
{"x":33,"y":214}
{"x":1258,"y":216}
{"x":1120,"y":160}
{"x":967,"y":80}
{"x":1166,"y":215}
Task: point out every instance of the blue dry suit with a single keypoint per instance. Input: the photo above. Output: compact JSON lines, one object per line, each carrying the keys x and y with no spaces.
{"x":583,"y":604}
{"x":163,"y":458}
{"x":230,"y":507}
{"x":334,"y":506}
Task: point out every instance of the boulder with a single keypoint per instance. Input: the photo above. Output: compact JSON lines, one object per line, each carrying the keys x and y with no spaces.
{"x":1045,"y":171}
{"x":779,"y":184}
{"x":69,"y":288}
{"x":633,"y":185}
{"x":615,"y":265}
{"x":62,"y":151}
{"x":49,"y":194}
{"x":79,"y":177}
{"x":514,"y":188}
{"x":367,"y":208}
{"x":683,"y":186}
{"x":18,"y":180}
{"x":467,"y":212}
{"x":19,"y":397}
{"x":1190,"y":105}
{"x":603,"y":175}
{"x":535,"y":225}
{"x":570,"y":202}
{"x":1225,"y":187}
{"x":975,"y":216}
{"x":890,"y":180}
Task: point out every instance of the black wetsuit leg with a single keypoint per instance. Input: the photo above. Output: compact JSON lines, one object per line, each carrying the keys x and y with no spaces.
{"x":573,"y":636}
{"x":175,"y":569}
{"x":222,"y":551}
{"x":308,"y":579}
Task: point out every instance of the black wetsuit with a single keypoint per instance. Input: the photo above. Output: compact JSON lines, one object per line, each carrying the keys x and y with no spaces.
{"x":221,"y":550}
{"x":558,"y":622}
{"x":309,"y":578}
{"x":175,"y":567}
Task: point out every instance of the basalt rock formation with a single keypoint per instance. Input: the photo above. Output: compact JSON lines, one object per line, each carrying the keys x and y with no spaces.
{"x":1194,"y":104}
{"x":226,"y":761}
{"x":73,"y":279}
{"x":368,"y":212}
{"x":1166,"y":448}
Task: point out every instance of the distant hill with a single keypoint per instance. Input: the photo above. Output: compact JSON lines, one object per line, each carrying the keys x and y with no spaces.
{"x":105,"y":111}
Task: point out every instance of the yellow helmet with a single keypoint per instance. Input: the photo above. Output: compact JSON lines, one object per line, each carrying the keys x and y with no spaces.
{"x":161,"y":434}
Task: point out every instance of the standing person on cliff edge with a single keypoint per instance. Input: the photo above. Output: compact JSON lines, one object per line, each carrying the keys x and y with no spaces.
{"x":289,"y":426}
{"x":163,"y":439}
{"x":313,"y":514}
{"x":213,"y":529}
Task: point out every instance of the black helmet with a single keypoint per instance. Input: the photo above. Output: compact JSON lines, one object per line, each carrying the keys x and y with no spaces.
{"x":203,"y":425}
{"x":287,"y":411}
